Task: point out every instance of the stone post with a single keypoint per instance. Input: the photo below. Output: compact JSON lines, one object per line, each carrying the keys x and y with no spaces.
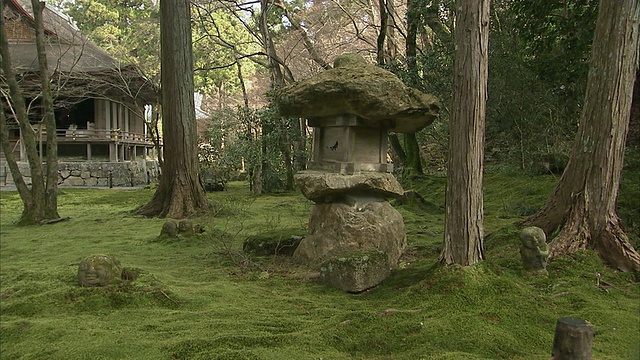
{"x":572,"y":340}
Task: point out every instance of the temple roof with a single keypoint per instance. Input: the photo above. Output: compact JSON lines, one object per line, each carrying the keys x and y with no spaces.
{"x":68,"y":50}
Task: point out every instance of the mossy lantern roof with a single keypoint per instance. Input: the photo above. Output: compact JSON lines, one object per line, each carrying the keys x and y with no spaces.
{"x":375,"y":95}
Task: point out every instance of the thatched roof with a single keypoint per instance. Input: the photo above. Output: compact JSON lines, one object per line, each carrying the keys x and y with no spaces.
{"x":69,"y":52}
{"x":62,"y":58}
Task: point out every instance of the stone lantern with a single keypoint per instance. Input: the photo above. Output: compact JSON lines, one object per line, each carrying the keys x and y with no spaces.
{"x":347,"y":145}
{"x":355,"y":236}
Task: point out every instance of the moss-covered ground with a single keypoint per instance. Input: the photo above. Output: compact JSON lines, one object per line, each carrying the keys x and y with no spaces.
{"x":202,"y":298}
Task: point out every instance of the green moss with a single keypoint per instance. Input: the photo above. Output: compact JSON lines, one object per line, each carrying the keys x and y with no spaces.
{"x":202,"y":298}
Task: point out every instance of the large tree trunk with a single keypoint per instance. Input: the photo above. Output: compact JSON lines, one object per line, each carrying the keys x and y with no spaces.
{"x":464,"y":215}
{"x":583,"y":204}
{"x":180,"y":192}
{"x":49,"y":118}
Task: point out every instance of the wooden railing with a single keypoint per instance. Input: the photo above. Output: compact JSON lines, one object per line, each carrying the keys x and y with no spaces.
{"x":98,"y":135}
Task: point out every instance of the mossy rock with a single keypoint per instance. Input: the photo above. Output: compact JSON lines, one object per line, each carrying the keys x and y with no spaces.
{"x":274,"y":243}
{"x":355,"y":272}
{"x":355,"y":87}
{"x":99,"y":270}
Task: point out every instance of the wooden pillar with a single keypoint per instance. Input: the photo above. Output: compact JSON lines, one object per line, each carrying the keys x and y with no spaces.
{"x":573,"y":340}
{"x":113,"y":152}
{"x":88,"y":151}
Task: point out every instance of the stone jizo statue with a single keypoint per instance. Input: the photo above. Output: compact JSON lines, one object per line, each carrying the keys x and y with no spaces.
{"x":99,"y":270}
{"x":534,"y":251}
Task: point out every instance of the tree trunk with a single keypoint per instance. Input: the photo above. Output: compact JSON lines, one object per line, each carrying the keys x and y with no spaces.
{"x":391,"y":37}
{"x":154,"y":129}
{"x":243,"y":87}
{"x":51,"y":183}
{"x":277,"y":77}
{"x":383,"y":32}
{"x":583,"y":204}
{"x":413,"y":21}
{"x":413,"y":162}
{"x":400,"y":157}
{"x":432,"y":20}
{"x":464,"y":214}
{"x":33,"y":211}
{"x":17,"y":177}
{"x":180,"y":192}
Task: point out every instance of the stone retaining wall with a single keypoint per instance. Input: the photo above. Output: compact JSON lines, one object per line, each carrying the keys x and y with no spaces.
{"x":96,"y":173}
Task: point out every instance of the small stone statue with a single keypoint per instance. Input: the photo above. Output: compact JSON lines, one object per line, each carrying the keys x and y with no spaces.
{"x":169,"y":228}
{"x":99,"y":270}
{"x":534,"y":251}
{"x":185,"y":227}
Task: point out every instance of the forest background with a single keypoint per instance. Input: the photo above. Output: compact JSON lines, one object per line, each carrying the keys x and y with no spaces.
{"x":538,"y":60}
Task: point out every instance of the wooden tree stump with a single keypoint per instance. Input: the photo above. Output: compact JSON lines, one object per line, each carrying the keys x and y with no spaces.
{"x":572,"y":340}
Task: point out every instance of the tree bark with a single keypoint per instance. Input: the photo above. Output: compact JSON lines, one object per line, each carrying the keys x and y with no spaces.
{"x":277,"y":77}
{"x":413,"y":162}
{"x":413,"y":21}
{"x":434,"y":23}
{"x":583,"y":205}
{"x":180,"y":193}
{"x":400,"y":155}
{"x":464,"y":214}
{"x":18,"y":179}
{"x":243,"y":87}
{"x":33,"y":200}
{"x":49,"y":117}
{"x":384,"y":16}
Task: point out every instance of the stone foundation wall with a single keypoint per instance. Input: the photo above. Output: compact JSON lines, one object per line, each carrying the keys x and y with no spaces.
{"x":96,"y":173}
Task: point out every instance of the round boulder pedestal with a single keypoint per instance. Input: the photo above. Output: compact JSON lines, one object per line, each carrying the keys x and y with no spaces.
{"x":364,"y":225}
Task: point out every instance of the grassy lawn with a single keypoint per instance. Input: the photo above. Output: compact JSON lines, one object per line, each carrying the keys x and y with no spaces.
{"x":202,"y":298}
